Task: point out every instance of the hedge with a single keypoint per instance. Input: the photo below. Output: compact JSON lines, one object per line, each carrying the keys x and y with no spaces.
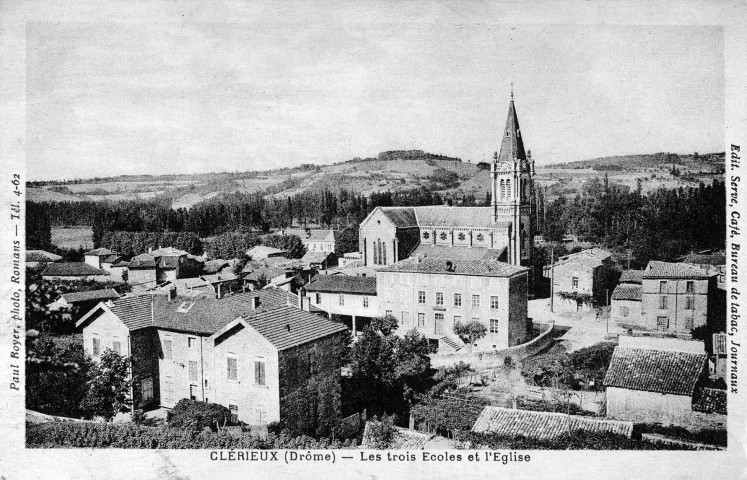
{"x":128,"y":435}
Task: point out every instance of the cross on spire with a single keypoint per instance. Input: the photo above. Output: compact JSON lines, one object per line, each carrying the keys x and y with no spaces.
{"x":512,"y":91}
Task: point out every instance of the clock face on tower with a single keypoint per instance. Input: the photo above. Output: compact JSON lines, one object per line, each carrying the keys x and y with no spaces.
{"x":504,"y":166}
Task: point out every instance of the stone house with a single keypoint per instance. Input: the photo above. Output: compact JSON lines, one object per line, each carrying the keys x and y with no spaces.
{"x":243,"y":351}
{"x":714,"y":263}
{"x":580,"y":280}
{"x":315,"y":239}
{"x":319,"y":260}
{"x":262,"y":252}
{"x":676,"y":297}
{"x":659,"y":380}
{"x":162,"y":265}
{"x":626,"y":300}
{"x":352,"y":298}
{"x":432,"y":295}
{"x":74,"y":271}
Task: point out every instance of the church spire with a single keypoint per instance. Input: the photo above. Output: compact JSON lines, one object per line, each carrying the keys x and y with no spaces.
{"x":512,"y":146}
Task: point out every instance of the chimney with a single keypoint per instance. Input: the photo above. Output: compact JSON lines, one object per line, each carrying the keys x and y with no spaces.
{"x":255,"y":302}
{"x":300,"y":298}
{"x":172,"y":293}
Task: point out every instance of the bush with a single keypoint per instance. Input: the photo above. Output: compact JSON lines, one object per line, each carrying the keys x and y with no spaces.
{"x":129,"y":435}
{"x":381,"y":432}
{"x":193,"y":415}
{"x":576,"y":440}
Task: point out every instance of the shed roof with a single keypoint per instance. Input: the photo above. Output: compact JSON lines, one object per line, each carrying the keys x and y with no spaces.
{"x":71,"y":269}
{"x":631,"y":276}
{"x":457,"y":253}
{"x":99,"y":252}
{"x":286,"y":327}
{"x":669,"y":372}
{"x":464,"y":217}
{"x":714,"y":259}
{"x":627,"y":292}
{"x":401,"y":216}
{"x":542,"y":425}
{"x":342,"y":284}
{"x":103,"y":294}
{"x":144,"y":260}
{"x":41,"y":256}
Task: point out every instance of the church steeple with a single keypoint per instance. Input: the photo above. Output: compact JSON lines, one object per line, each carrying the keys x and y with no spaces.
{"x":512,"y":146}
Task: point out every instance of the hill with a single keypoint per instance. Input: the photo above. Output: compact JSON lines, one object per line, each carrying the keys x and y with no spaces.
{"x":692,"y":162}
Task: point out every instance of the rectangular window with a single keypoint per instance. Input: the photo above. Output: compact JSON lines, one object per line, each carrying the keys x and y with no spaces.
{"x":169,"y":390}
{"x":439,"y":327}
{"x":191,"y":342}
{"x":318,"y":298}
{"x":494,"y":325}
{"x":688,"y":323}
{"x":342,"y":300}
{"x":421,"y":319}
{"x":624,"y":311}
{"x":193,"y":392}
{"x":439,"y":298}
{"x":457,"y":319}
{"x":457,"y":299}
{"x":405,"y":318}
{"x":260,"y":415}
{"x":231,"y":368}
{"x":96,"y":346}
{"x":117,"y":346}
{"x":193,"y":370}
{"x":167,"y":354}
{"x":365,"y":302}
{"x":259,"y":373}
{"x":493,"y":302}
{"x":476,"y":319}
{"x":146,"y":386}
{"x":662,"y":287}
{"x":690,"y":287}
{"x":688,"y":303}
{"x":421,"y":297}
{"x":234,"y":410}
{"x":475,"y":301}
{"x":388,"y":313}
{"x":662,"y":302}
{"x":574,"y":282}
{"x":662,"y":323}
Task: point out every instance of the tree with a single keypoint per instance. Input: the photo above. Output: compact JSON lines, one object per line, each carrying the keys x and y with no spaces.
{"x":108,"y":387}
{"x":194,"y":415}
{"x":347,"y":240}
{"x":386,"y":325}
{"x":290,"y":243}
{"x":381,"y":432}
{"x":470,"y":331}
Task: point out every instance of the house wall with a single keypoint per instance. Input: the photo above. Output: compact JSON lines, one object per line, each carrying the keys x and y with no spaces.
{"x":495,"y":238}
{"x":353,"y":304}
{"x":96,"y":278}
{"x":318,"y":246}
{"x":146,"y":352}
{"x":107,"y":328}
{"x":169,"y":275}
{"x":114,"y":272}
{"x":648,"y":407}
{"x":257,"y":404}
{"x":93,"y":260}
{"x":141,"y":276}
{"x":175,"y":382}
{"x":563,"y":282}
{"x":399,"y":292}
{"x":627,"y":314}
{"x":377,"y":227}
{"x":310,"y":394}
{"x":680,"y":319}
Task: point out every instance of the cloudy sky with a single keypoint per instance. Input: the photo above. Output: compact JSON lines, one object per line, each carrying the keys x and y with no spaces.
{"x":128,"y":98}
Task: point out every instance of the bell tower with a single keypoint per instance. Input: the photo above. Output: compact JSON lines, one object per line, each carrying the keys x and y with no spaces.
{"x":512,"y":174}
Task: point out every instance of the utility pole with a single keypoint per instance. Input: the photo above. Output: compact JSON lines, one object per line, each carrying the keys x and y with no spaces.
{"x":552,"y":278}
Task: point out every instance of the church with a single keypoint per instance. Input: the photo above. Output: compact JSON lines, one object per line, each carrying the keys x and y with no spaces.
{"x":501,"y":231}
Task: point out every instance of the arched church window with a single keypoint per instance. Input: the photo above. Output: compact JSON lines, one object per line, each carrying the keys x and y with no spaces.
{"x":508,"y":188}
{"x":383,"y":253}
{"x":503,"y":188}
{"x":443,"y":235}
{"x":375,"y":255}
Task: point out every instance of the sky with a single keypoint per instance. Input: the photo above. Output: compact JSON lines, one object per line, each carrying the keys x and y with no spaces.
{"x":162,"y":97}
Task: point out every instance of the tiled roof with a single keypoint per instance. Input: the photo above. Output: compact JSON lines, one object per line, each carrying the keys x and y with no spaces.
{"x":631,"y":276}
{"x":542,"y":425}
{"x":711,"y":400}
{"x":168,"y":252}
{"x":400,"y":216}
{"x":592,"y":257}
{"x":465,"y":217}
{"x":214,"y":266}
{"x":41,"y":256}
{"x":404,"y":439}
{"x":262,"y":251}
{"x":268,"y":272}
{"x":627,"y":292}
{"x":315,"y":257}
{"x":313,"y":235}
{"x":286,"y":327}
{"x":714,"y":259}
{"x":204,"y":313}
{"x":113,"y":258}
{"x":342,"y":284}
{"x":99,"y":252}
{"x":104,"y":294}
{"x":71,"y":269}
{"x":144,"y":260}
{"x":657,"y":269}
{"x":481,"y":268}
{"x":167,"y":261}
{"x":219,"y":277}
{"x":457,"y":253}
{"x":655,"y":370}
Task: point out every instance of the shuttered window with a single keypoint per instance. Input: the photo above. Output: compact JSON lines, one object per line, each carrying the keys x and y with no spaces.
{"x":259,"y":373}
